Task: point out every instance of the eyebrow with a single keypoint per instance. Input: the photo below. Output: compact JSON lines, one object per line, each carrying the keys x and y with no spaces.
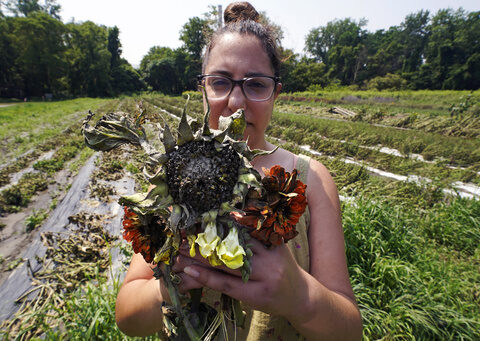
{"x":229,"y":74}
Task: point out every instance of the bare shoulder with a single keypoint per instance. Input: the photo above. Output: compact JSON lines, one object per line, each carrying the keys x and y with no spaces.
{"x":320,"y":185}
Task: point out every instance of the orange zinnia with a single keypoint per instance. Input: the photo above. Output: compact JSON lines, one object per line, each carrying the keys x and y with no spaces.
{"x":275,"y":214}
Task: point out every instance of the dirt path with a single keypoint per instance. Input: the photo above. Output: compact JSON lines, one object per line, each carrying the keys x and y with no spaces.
{"x":6,"y":104}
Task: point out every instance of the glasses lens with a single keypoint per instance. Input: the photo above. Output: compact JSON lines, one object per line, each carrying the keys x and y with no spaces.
{"x":217,"y":86}
{"x":259,"y":88}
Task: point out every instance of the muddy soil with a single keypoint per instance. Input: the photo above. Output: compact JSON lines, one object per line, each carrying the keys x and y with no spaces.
{"x":14,"y":237}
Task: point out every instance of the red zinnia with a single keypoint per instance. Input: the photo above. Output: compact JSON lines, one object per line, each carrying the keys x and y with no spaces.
{"x":133,"y":232}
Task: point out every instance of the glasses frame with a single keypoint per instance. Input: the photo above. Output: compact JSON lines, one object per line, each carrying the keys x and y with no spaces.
{"x":240,"y":82}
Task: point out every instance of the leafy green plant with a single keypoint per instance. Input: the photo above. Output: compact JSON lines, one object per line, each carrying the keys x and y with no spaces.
{"x":35,"y":219}
{"x":14,"y":264}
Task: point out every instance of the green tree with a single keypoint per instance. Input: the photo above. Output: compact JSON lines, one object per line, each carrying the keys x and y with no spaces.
{"x":161,"y":75}
{"x":452,"y":50}
{"x":155,"y":53}
{"x":298,"y":74}
{"x":89,"y":60}
{"x":114,"y":46}
{"x":322,"y":39}
{"x":194,"y":36}
{"x":10,"y":81}
{"x":40,"y":52}
{"x":414,"y":37}
{"x":27,"y":7}
{"x":340,"y":46}
{"x":123,"y":76}
{"x":170,"y":71}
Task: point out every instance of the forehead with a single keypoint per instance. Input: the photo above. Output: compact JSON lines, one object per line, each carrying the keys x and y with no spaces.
{"x":239,"y":55}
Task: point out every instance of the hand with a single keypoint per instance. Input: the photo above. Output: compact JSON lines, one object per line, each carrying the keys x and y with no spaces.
{"x":276,"y":283}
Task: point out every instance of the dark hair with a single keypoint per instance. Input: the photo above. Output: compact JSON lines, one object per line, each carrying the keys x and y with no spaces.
{"x":242,"y":18}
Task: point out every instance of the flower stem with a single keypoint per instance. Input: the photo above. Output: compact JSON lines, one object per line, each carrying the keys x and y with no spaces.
{"x":195,"y":296}
{"x":173,"y":292}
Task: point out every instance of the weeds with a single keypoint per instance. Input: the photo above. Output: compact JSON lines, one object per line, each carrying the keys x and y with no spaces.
{"x":404,"y":286}
{"x":17,"y":196}
{"x":35,"y":219}
{"x":14,"y":264}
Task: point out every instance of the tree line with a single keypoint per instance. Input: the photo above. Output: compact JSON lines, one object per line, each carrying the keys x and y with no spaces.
{"x":39,"y":54}
{"x":424,"y":52}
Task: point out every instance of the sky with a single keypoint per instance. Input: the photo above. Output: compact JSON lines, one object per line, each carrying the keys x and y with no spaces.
{"x":147,"y":23}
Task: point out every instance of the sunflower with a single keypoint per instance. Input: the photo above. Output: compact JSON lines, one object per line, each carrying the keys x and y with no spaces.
{"x":273,"y":215}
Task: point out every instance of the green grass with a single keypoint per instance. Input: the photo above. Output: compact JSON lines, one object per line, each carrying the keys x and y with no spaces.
{"x":85,"y":154}
{"x":89,"y":314}
{"x":399,"y":165}
{"x":26,"y":125}
{"x":405,"y":98}
{"x":451,"y":113}
{"x":408,"y":282}
{"x":35,"y":219}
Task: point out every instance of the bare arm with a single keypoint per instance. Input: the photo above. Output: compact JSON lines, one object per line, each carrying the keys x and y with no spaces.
{"x":330,"y":312}
{"x":138,"y":310}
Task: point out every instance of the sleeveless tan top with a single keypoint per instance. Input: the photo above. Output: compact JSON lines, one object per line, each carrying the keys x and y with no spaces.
{"x":260,"y":326}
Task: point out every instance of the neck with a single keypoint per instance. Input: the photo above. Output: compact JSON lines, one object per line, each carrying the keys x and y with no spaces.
{"x":260,"y":144}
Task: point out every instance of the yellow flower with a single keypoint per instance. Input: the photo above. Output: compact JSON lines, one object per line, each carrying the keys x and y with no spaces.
{"x":208,"y":240}
{"x":230,"y":251}
{"x":163,"y":256}
{"x":214,"y":260}
{"x":191,"y":241}
{"x":171,"y":244}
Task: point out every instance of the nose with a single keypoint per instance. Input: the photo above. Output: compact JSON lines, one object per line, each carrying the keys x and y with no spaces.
{"x":237,"y":99}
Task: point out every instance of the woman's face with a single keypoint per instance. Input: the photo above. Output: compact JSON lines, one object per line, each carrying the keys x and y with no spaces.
{"x":238,"y":56}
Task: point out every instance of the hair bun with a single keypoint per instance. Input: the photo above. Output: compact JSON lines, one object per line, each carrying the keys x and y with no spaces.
{"x":239,"y":11}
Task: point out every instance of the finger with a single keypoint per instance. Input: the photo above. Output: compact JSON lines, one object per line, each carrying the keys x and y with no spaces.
{"x":181,"y":261}
{"x":187,"y":283}
{"x":230,"y":285}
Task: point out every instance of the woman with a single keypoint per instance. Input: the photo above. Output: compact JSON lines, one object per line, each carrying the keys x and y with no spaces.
{"x":296,"y":290}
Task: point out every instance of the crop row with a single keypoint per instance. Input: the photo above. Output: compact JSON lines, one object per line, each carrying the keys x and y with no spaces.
{"x":411,"y":99}
{"x":453,"y":115}
{"x":458,"y":151}
{"x":373,"y":157}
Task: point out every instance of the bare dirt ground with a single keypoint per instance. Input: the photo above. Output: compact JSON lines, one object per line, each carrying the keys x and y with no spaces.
{"x":14,"y":237}
{"x":6,"y":104}
{"x":23,"y":250}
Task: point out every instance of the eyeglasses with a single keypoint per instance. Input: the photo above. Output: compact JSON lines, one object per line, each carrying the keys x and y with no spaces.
{"x":258,"y":88}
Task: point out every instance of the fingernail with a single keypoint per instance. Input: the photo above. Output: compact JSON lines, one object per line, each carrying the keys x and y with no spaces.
{"x":191,"y":272}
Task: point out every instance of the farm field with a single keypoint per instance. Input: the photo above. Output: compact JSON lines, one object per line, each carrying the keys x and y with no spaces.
{"x":406,"y":164}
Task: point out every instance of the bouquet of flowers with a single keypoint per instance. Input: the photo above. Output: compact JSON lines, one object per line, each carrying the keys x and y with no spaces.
{"x":206,"y":193}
